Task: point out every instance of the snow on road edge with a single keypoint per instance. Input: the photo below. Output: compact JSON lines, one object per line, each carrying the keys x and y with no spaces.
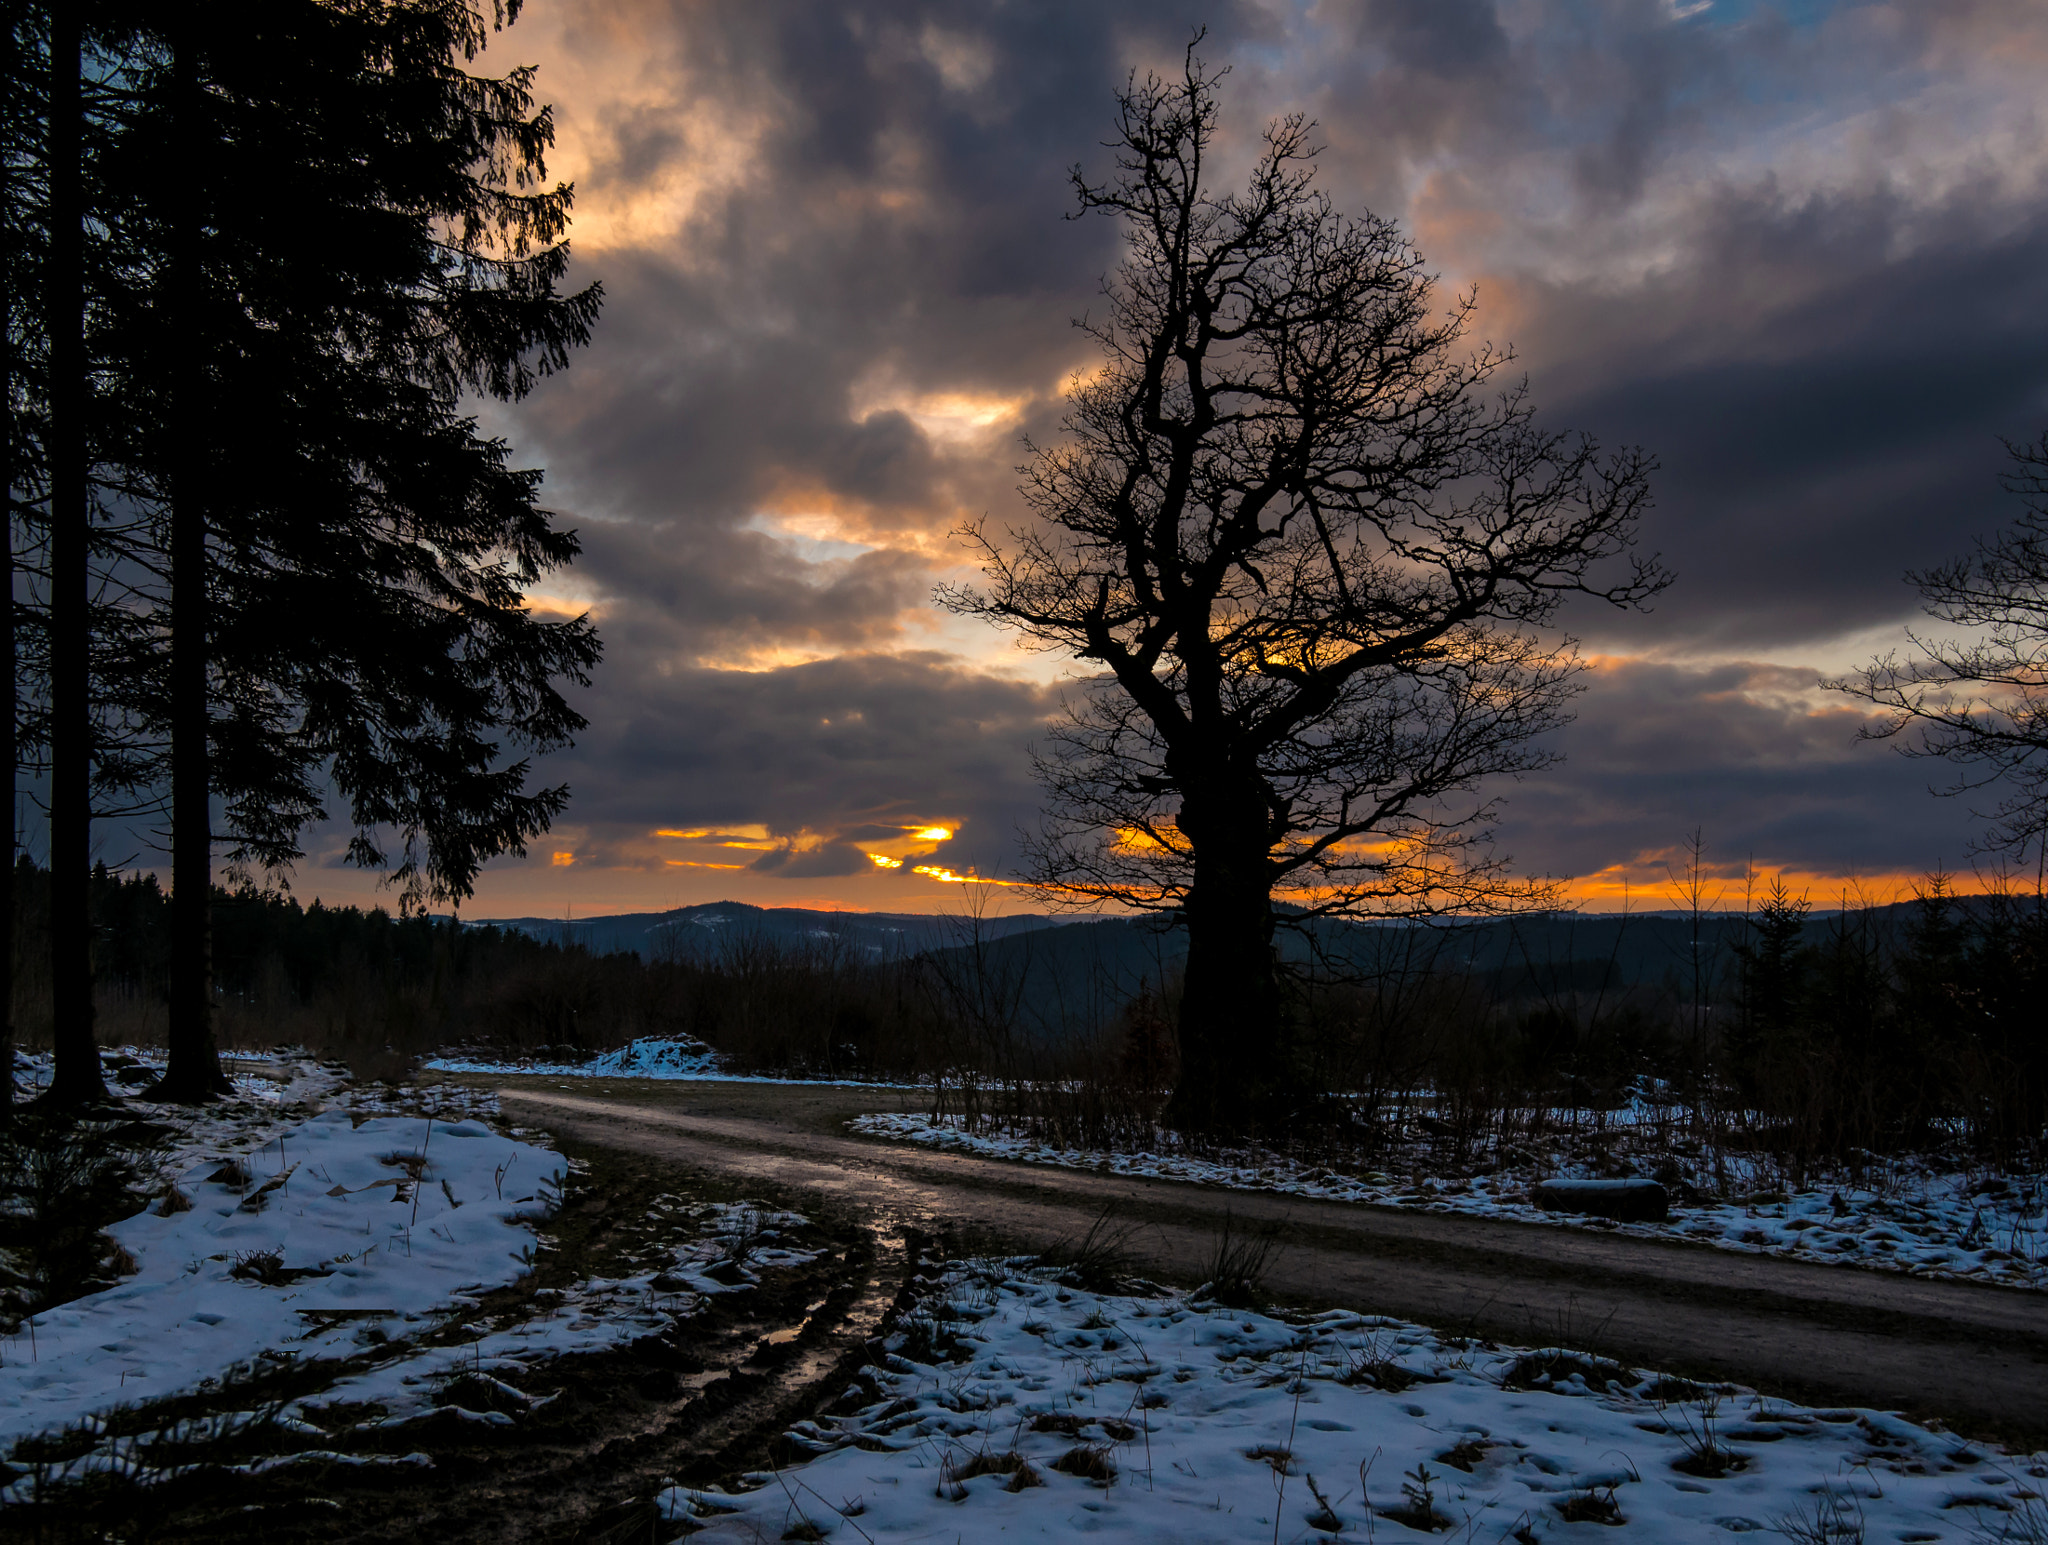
{"x":1925,"y":1223}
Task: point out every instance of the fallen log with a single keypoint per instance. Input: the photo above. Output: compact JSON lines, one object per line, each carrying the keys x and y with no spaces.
{"x":1625,"y":1201}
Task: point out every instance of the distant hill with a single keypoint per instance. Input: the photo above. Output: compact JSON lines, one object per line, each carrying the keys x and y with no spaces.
{"x":1067,"y":978}
{"x":702,"y":931}
{"x":1071,"y":973}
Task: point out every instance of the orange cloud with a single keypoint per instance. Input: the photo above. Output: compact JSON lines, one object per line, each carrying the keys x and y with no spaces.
{"x":1653,"y":882}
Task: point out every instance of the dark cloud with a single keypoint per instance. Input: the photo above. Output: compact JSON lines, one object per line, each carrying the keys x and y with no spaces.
{"x":1800,"y":252}
{"x":681,"y":591}
{"x":833,"y":860}
{"x":1752,"y":756}
{"x":844,"y":750}
{"x":1820,"y":440}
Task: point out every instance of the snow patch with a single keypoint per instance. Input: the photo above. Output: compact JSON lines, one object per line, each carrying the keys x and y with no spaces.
{"x":1009,"y":1405}
{"x":294,"y":1246}
{"x":1920,"y":1220}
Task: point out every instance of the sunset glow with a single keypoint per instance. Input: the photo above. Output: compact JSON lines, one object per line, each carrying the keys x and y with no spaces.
{"x":828,"y":333}
{"x":948,"y":877}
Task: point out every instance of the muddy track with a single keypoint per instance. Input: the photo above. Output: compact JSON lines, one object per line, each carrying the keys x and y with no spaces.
{"x":1974,"y":1357}
{"x":701,"y":1402}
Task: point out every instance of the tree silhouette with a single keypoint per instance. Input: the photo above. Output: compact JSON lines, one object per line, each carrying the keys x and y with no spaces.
{"x":330,"y":235}
{"x":18,"y":277}
{"x":1312,"y":567}
{"x":1981,"y":700}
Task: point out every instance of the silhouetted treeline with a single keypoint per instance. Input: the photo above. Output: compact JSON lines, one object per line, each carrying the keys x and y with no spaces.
{"x":1874,"y":1030}
{"x":1899,"y":1036}
{"x":1868,"y":1031}
{"x":345,"y":981}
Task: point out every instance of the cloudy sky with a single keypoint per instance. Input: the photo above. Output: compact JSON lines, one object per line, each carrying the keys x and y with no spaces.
{"x":1799,"y":251}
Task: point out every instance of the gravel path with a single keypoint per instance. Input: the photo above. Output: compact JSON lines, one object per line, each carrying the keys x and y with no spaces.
{"x":1975,"y":1357}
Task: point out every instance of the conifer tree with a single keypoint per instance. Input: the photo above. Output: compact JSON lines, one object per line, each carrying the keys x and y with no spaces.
{"x":76,"y":1074}
{"x":346,"y":554}
{"x":18,"y":118}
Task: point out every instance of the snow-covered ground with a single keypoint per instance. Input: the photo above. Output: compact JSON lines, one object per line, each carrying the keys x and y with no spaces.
{"x":654,"y":1057}
{"x":1918,"y":1220}
{"x":1010,"y":1406}
{"x":350,"y":1233}
{"x":280,"y":1234}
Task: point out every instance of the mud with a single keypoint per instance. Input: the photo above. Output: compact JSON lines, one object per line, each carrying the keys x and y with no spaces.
{"x":702,"y":1402}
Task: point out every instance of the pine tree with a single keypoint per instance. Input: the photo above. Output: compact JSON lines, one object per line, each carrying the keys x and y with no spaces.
{"x":1773,"y":963}
{"x":76,"y":1075}
{"x":347,"y":554}
{"x":18,"y":119}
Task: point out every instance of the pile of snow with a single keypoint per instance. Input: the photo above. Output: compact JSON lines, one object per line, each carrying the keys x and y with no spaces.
{"x":656,"y":1059}
{"x":678,"y":1057}
{"x":281,"y":1251}
{"x":1920,"y":1220}
{"x":650,"y":1057}
{"x":1011,"y":1406}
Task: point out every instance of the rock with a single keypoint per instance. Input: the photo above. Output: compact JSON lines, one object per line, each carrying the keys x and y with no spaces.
{"x":1626,"y":1201}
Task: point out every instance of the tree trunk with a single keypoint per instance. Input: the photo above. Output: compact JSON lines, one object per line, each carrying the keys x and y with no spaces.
{"x":76,"y":1078}
{"x":193,"y":1073}
{"x":1232,"y":1052}
{"x":7,"y":709}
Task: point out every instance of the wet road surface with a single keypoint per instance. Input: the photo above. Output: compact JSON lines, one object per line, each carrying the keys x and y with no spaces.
{"x":1976,"y":1357}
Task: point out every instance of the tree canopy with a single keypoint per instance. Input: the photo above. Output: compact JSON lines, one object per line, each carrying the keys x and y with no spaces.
{"x":314,"y":238}
{"x":1311,"y":562}
{"x":1979,"y":697}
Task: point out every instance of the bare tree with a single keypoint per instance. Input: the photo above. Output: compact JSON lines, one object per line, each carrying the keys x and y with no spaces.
{"x":1981,"y":701}
{"x":1313,"y":567}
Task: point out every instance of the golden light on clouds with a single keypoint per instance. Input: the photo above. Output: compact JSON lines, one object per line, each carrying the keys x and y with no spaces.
{"x":719,"y":155}
{"x":562,"y":860}
{"x":913,"y":844}
{"x":961,"y":417}
{"x":559,"y":605}
{"x":948,"y":877}
{"x":754,"y":838}
{"x":1651,"y":882}
{"x":1135,"y":839}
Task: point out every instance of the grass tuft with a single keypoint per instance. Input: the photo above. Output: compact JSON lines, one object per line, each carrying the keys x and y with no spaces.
{"x":1834,"y":1517}
{"x":1594,"y":1505}
{"x":264,"y":1266}
{"x":1089,"y":1461}
{"x":1237,"y":1267}
{"x":1553,"y":1367}
{"x":1099,"y":1260}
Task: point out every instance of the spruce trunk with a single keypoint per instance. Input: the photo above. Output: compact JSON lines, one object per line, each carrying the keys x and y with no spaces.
{"x":8,"y":265}
{"x":76,"y":1078}
{"x":194,"y":1071}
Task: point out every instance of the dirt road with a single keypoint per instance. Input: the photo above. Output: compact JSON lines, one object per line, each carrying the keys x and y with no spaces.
{"x":1975,"y":1357}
